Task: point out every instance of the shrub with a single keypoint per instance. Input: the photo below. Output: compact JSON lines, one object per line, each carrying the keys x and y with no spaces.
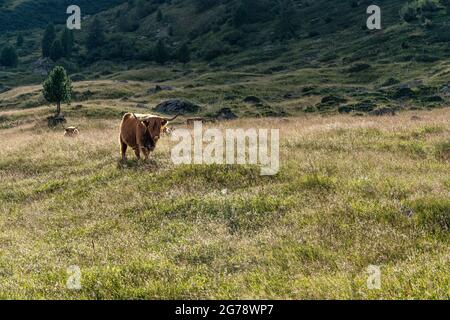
{"x":160,"y":52}
{"x":215,"y":50}
{"x":409,"y":12}
{"x":203,"y":5}
{"x":390,"y":82}
{"x":403,"y":93}
{"x":184,"y":54}
{"x":57,"y":88}
{"x":9,"y":57}
{"x":56,"y":51}
{"x":442,"y":151}
{"x":433,"y":213}
{"x":359,"y":67}
{"x":96,"y":36}
{"x":428,"y":6}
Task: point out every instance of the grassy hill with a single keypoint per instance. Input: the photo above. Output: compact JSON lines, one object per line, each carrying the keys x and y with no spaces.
{"x":29,"y":14}
{"x":323,"y":63}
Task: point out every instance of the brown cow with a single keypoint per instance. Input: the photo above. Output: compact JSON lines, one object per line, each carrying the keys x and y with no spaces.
{"x":141,"y":133}
{"x":71,"y":132}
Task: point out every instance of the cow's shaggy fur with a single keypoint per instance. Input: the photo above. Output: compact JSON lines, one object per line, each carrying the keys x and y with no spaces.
{"x":71,"y":132}
{"x":141,"y":133}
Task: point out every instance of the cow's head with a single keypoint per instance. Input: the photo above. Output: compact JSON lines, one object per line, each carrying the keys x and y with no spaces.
{"x":157,"y":126}
{"x":144,"y":135}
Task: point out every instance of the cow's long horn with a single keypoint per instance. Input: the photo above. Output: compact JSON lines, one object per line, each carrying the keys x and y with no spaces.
{"x":168,"y":120}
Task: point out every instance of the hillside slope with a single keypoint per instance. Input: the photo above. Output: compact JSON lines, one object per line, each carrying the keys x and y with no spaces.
{"x":29,"y":14}
{"x":296,"y":56}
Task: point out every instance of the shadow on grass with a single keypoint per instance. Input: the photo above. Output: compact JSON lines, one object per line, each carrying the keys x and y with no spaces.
{"x":135,"y":164}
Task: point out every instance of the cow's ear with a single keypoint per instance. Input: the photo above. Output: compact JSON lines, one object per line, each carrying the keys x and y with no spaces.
{"x":164,"y":122}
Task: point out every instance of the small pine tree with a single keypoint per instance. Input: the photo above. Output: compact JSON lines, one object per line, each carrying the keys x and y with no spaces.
{"x":127,"y":23}
{"x":56,"y":51}
{"x":57,"y":88}
{"x":286,"y":24}
{"x":159,"y":15}
{"x":67,"y":42}
{"x":47,"y":40}
{"x":184,"y":54}
{"x":242,"y":13}
{"x":20,"y":40}
{"x":9,"y":57}
{"x":96,"y":36}
{"x":161,"y":54}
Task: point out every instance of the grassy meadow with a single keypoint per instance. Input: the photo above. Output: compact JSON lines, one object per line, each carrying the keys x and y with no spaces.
{"x":354,"y":189}
{"x":351,"y":192}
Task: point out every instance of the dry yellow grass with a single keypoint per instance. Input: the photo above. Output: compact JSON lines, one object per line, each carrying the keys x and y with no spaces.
{"x":351,"y":192}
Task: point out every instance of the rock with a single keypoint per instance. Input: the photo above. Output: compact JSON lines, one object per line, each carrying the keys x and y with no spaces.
{"x":159,"y":88}
{"x":332,"y":100}
{"x":226,"y":114}
{"x":408,"y":212}
{"x":358,"y":67}
{"x":177,"y":106}
{"x":252,"y":99}
{"x":358,"y":107}
{"x":403,"y":93}
{"x":410,"y":84}
{"x":414,"y":83}
{"x":446,"y":90}
{"x":42,"y":66}
{"x":141,"y":105}
{"x":4,"y":88}
{"x":386,"y":111}
{"x":54,"y":121}
{"x":78,"y":77}
{"x":228,"y":96}
{"x":274,"y":113}
{"x":390,"y":82}
{"x":434,"y":98}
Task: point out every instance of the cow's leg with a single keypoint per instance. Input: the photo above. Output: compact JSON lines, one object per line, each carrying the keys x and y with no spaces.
{"x":137,"y":151}
{"x":146,"y":154}
{"x":123,"y":147}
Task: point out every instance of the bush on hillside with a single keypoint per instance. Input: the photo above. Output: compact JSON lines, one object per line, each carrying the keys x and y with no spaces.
{"x":47,"y":40}
{"x":409,"y":12}
{"x":56,"y":50}
{"x":9,"y":57}
{"x":96,"y":36}
{"x":203,"y":5}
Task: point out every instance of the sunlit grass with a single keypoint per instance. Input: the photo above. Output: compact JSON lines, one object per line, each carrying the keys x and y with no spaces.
{"x":351,"y":192}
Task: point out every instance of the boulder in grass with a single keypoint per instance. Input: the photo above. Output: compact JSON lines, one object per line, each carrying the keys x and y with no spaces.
{"x":54,"y":121}
{"x":445,"y":90}
{"x":177,"y":106}
{"x":386,"y":111}
{"x":159,"y":88}
{"x":252,"y":100}
{"x":226,"y":114}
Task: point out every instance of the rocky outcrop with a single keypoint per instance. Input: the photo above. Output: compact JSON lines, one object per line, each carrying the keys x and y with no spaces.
{"x":177,"y":106}
{"x":225,"y":114}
